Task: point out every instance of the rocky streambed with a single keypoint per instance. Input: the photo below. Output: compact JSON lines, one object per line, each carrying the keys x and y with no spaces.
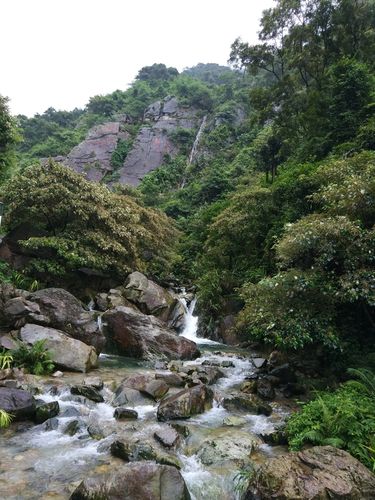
{"x":188,"y":416}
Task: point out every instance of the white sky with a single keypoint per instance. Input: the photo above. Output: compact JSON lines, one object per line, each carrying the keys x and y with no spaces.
{"x":61,"y":52}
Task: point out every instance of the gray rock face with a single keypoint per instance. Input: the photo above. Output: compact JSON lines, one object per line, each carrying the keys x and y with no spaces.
{"x":135,"y":481}
{"x":18,"y":402}
{"x":153,"y":141}
{"x":185,"y":403}
{"x":65,"y":352}
{"x":92,"y":157}
{"x":66,"y":313}
{"x":144,"y":337}
{"x":322,"y":472}
{"x":149,"y":297}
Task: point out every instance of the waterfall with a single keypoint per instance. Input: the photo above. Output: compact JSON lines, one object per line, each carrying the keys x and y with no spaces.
{"x":197,"y":140}
{"x":191,"y":327}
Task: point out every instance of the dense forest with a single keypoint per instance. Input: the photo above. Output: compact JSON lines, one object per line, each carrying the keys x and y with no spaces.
{"x":272,"y":220}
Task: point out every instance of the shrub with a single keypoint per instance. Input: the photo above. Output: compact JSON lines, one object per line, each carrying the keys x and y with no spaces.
{"x":35,"y":359}
{"x":344,"y":418}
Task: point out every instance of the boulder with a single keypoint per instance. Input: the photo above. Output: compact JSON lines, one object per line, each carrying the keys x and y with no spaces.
{"x":67,"y":353}
{"x":185,"y":403}
{"x":46,"y":411}
{"x":172,"y":379}
{"x":19,"y":403}
{"x":235,"y":448}
{"x":167,"y":436}
{"x":247,"y":402}
{"x":149,"y":297}
{"x":125,"y":414}
{"x":321,"y":472}
{"x":88,"y":392}
{"x":234,"y":421}
{"x":156,"y":389}
{"x":65,"y":312}
{"x":265,"y":389}
{"x":134,"y":452}
{"x":95,"y":382}
{"x":136,"y":481}
{"x":144,"y":337}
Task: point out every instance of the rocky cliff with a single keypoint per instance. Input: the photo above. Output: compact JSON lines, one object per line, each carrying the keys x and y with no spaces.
{"x":92,"y":157}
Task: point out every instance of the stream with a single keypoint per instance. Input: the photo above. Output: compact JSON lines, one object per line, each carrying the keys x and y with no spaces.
{"x":41,"y":463}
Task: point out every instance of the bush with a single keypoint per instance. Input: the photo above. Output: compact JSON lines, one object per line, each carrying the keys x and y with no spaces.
{"x":35,"y":359}
{"x":344,"y":418}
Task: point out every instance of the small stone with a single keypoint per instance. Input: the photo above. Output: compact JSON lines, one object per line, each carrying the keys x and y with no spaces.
{"x":72,"y":427}
{"x":125,"y":414}
{"x":51,"y":424}
{"x":234,"y":421}
{"x":183,"y":430}
{"x":227,"y":364}
{"x":249,"y":387}
{"x":167,"y":436}
{"x":87,"y":392}
{"x":95,"y":382}
{"x":57,"y":374}
{"x":265,"y":389}
{"x":259,"y":362}
{"x":46,"y":411}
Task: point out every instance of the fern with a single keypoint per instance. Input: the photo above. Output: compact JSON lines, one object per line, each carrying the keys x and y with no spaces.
{"x":5,"y":418}
{"x":36,"y":359}
{"x":366,"y":381}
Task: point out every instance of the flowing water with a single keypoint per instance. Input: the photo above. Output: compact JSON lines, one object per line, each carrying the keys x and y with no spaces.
{"x":36,"y":463}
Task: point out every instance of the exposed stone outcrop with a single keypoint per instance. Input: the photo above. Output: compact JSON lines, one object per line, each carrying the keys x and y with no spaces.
{"x":154,"y":141}
{"x":145,"y":337}
{"x":92,"y":157}
{"x":322,"y":472}
{"x":139,"y":480}
{"x":67,"y":353}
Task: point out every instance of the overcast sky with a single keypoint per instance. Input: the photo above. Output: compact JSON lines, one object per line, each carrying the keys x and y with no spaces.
{"x":61,"y":52}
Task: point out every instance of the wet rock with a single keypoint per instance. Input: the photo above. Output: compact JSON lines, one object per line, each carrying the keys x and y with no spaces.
{"x":87,"y":392}
{"x":46,"y":411}
{"x":136,"y":481}
{"x":51,"y":424}
{"x":321,"y":472}
{"x":167,"y":436}
{"x":232,"y":448}
{"x":133,"y":452}
{"x":156,"y":389}
{"x":95,"y":382}
{"x":234,"y":421}
{"x":66,"y":352}
{"x":182,"y":429}
{"x":70,"y":411}
{"x":99,"y":431}
{"x":247,"y":402}
{"x":145,"y":337}
{"x":125,"y":414}
{"x":20,"y":403}
{"x":19,"y":307}
{"x":57,"y":374}
{"x":172,"y":379}
{"x":205,"y":374}
{"x":161,"y":365}
{"x":128,"y":396}
{"x":265,"y":389}
{"x":249,"y":387}
{"x":277,"y":437}
{"x":227,"y":364}
{"x":209,"y":362}
{"x":72,"y":427}
{"x":259,"y":362}
{"x":277,"y":358}
{"x":185,"y":403}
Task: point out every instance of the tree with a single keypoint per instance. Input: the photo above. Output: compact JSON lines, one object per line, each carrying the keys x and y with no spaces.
{"x":8,"y":138}
{"x":79,"y":224}
{"x":156,"y":72}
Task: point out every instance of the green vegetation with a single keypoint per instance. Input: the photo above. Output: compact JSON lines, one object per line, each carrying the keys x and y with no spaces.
{"x":8,"y":139}
{"x":5,"y":419}
{"x":344,"y":418}
{"x":73,"y":224}
{"x":35,"y":359}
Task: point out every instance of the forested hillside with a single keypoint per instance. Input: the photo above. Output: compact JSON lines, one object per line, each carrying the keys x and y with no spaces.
{"x":272,"y":218}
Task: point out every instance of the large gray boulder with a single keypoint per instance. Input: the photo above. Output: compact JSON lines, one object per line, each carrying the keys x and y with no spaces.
{"x":319,"y":473}
{"x":135,"y":481}
{"x":19,"y":403}
{"x":185,"y":403}
{"x":67,"y":353}
{"x":65,"y":312}
{"x":137,"y":335}
{"x":233,"y":447}
{"x":150,"y":298}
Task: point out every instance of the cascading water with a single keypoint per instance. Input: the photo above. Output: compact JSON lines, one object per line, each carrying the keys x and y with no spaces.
{"x":197,"y":140}
{"x":191,"y":327}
